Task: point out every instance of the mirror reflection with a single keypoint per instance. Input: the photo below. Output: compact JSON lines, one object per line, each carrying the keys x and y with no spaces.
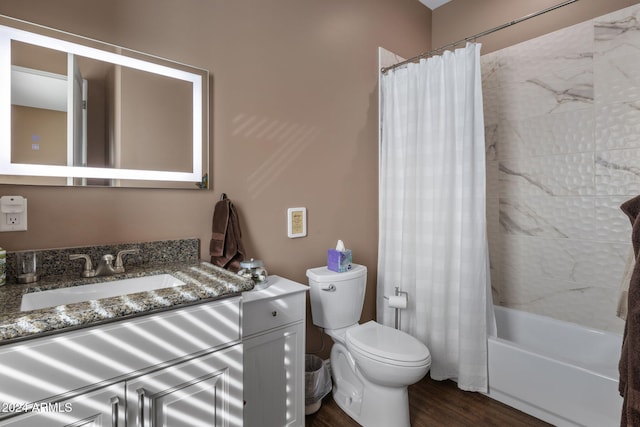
{"x":85,"y":116}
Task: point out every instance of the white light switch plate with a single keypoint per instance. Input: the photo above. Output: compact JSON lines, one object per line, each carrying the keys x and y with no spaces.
{"x":296,"y":222}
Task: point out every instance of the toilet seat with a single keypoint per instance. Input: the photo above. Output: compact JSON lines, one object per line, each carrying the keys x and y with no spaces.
{"x":387,"y":345}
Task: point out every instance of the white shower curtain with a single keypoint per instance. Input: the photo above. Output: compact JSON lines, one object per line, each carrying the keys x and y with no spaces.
{"x":432,"y":235}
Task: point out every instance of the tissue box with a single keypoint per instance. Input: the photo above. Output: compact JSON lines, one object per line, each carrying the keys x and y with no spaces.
{"x":339,"y":261}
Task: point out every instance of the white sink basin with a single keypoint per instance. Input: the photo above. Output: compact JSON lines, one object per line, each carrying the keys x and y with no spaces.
{"x":54,"y":297}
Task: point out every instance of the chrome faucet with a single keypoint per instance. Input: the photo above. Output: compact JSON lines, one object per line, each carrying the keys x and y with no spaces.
{"x":105,"y":266}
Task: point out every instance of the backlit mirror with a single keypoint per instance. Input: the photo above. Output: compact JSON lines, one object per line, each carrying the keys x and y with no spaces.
{"x":74,"y":111}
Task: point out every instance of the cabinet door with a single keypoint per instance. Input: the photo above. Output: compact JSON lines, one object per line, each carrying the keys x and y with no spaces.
{"x":101,"y":408}
{"x":206,"y":391}
{"x":274,"y":378}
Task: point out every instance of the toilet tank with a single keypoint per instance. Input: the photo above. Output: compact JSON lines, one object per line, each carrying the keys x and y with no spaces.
{"x":336,"y":298}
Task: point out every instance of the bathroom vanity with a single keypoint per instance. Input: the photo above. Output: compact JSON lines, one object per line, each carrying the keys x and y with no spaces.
{"x":209,"y":352}
{"x":160,"y":369}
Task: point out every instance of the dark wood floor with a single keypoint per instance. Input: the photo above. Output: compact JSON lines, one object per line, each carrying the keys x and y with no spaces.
{"x":437,"y":403}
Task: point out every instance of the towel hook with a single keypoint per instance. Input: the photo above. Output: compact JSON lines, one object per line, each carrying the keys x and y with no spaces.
{"x":223,"y":196}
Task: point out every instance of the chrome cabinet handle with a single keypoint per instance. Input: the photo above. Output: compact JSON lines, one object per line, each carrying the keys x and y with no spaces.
{"x":115,"y":411}
{"x":331,"y":288}
{"x":142,"y":394}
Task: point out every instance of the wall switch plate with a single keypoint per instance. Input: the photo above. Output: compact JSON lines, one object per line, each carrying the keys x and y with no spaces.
{"x":296,"y":222}
{"x":13,"y":213}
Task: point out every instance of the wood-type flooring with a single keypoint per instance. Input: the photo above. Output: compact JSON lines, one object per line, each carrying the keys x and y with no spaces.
{"x":437,"y":403}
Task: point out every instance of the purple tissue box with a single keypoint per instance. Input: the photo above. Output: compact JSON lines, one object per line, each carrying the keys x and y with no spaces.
{"x":339,"y":261}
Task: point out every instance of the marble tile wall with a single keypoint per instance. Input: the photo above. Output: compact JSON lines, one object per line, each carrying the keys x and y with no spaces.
{"x":562,"y":116}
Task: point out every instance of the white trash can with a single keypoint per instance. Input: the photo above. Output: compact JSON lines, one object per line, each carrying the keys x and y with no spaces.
{"x":317,"y":383}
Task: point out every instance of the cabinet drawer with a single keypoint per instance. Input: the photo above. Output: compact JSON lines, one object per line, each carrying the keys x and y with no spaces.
{"x":264,"y":314}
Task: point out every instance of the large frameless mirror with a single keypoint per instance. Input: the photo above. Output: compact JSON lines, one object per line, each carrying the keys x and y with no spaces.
{"x":74,"y":111}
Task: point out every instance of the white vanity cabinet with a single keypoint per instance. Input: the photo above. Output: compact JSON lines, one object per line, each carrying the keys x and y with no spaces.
{"x":201,"y":392}
{"x":273,"y":333}
{"x":175,"y":368}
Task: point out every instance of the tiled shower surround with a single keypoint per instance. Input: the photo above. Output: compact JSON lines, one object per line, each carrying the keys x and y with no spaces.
{"x":562,"y":116}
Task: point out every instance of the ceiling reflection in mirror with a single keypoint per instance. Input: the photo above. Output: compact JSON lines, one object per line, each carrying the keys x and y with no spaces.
{"x":81,"y":112}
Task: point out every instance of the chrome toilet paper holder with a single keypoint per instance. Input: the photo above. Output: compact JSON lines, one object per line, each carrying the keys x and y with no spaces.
{"x":398,"y":293}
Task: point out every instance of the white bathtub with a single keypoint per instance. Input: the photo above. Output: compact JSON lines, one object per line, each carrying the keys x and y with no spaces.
{"x":557,"y":371}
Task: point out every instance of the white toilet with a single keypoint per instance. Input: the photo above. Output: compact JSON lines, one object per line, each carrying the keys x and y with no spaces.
{"x":371,"y":364}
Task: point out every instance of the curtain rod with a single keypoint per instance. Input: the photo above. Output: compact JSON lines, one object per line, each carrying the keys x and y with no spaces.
{"x":475,"y":36}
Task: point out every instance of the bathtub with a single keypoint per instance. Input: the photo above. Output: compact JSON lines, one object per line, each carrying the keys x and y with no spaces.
{"x":557,"y":371}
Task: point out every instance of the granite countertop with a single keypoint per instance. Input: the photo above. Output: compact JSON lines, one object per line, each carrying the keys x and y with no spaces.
{"x":203,"y":282}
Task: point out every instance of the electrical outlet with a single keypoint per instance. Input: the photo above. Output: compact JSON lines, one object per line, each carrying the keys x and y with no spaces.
{"x":13,"y":221}
{"x":13,"y":213}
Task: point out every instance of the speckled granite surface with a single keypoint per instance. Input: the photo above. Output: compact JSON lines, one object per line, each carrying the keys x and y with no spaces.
{"x":55,"y":262}
{"x":203,"y":282}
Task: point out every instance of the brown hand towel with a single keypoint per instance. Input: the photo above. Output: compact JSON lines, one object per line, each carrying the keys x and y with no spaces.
{"x":226,"y":247}
{"x":629,"y":366}
{"x":219,"y":227}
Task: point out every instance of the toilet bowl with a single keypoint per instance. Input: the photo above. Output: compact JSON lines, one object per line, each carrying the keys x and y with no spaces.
{"x":372,"y":365}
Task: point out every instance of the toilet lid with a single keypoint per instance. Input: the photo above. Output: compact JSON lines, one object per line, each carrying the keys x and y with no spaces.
{"x":385,"y":343}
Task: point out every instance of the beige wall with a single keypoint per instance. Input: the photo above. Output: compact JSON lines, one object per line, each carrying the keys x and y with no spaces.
{"x":459,"y":19}
{"x":294,"y":123}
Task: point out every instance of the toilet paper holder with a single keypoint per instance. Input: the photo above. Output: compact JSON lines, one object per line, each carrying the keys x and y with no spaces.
{"x":398,"y":293}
